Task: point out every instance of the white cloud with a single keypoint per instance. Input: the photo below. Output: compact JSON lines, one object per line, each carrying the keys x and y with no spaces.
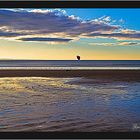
{"x":115,"y":44}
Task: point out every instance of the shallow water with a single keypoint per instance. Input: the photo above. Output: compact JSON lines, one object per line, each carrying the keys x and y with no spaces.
{"x":69,"y":64}
{"x":69,"y":104}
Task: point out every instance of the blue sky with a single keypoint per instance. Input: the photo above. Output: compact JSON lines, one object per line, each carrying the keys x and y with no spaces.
{"x":129,"y":15}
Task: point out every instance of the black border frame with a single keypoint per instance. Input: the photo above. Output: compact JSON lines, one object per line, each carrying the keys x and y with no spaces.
{"x":70,"y":4}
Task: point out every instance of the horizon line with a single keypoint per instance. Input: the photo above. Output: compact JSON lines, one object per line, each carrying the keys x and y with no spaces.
{"x":74,"y":59}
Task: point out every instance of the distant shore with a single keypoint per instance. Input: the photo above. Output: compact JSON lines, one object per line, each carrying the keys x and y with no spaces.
{"x":109,"y":74}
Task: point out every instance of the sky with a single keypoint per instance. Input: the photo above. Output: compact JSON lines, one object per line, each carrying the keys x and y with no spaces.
{"x":62,"y":34}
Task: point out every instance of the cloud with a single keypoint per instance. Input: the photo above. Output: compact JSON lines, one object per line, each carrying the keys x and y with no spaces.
{"x":122,"y":21}
{"x":118,"y":35}
{"x":104,"y":19}
{"x":9,"y":34}
{"x":55,"y":25}
{"x":116,"y":44}
{"x":102,"y":44}
{"x":128,"y":43}
{"x":48,"y":22}
{"x":46,"y":39}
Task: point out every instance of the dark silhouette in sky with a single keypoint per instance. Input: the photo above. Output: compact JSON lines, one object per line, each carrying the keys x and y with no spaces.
{"x":78,"y":57}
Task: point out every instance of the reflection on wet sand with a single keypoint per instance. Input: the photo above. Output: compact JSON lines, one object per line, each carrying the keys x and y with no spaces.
{"x":68,"y":104}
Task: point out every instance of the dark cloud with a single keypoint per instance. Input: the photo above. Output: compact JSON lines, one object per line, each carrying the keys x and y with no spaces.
{"x":46,"y":39}
{"x":133,"y":43}
{"x":129,"y":35}
{"x":50,"y":22}
{"x":8,"y":34}
{"x":128,"y":43}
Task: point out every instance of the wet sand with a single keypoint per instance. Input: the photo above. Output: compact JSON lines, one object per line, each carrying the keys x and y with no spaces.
{"x":72,"y":101}
{"x":113,"y":74}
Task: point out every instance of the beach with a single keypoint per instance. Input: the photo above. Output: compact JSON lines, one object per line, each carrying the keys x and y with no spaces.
{"x":112,"y":74}
{"x":70,"y":100}
{"x":69,"y":69}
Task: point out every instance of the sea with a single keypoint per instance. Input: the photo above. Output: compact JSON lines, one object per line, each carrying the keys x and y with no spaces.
{"x":69,"y":64}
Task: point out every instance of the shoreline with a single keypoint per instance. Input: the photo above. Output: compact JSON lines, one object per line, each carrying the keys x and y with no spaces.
{"x":107,"y":74}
